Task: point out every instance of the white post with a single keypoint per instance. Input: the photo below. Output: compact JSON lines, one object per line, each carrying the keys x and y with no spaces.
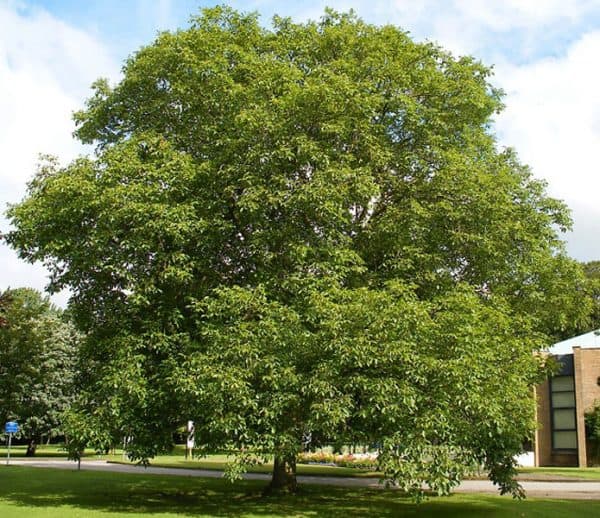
{"x":8,"y":451}
{"x":190,"y":442}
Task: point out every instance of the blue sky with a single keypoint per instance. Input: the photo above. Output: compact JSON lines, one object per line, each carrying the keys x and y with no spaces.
{"x":520,"y":30}
{"x":545,"y":56}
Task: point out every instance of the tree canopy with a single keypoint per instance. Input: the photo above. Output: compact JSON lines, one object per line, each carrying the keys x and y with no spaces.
{"x":302,"y":229}
{"x":37,"y":364}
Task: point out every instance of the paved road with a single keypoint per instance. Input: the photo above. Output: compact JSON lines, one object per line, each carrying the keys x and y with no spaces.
{"x":541,"y":489}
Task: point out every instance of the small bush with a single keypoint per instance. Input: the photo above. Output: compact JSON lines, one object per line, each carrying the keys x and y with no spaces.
{"x":592,"y":432}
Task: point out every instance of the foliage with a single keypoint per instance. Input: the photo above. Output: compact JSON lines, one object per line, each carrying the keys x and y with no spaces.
{"x":306,"y":229}
{"x":83,"y":432}
{"x":592,"y":430}
{"x":37,"y":359}
{"x":592,"y":422}
{"x":592,"y":273}
{"x":4,"y":301}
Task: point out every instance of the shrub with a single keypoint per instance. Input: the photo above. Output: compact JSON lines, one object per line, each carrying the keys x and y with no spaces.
{"x":592,"y":432}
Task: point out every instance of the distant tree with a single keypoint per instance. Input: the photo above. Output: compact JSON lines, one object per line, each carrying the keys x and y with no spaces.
{"x":592,"y":273}
{"x":3,"y":304}
{"x":305,"y":229}
{"x":37,"y":355}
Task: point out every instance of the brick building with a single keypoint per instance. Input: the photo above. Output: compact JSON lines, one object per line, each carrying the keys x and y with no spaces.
{"x":563,"y":400}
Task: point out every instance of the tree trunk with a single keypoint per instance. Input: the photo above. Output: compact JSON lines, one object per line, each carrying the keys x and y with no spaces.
{"x":283,"y":479}
{"x":31,"y":447}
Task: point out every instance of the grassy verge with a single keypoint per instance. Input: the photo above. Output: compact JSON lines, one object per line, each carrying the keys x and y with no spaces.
{"x":219,"y":463}
{"x":47,"y":451}
{"x":577,"y":473}
{"x":38,"y":492}
{"x":177,"y":460}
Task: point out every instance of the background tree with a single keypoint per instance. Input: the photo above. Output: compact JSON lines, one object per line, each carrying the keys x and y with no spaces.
{"x":591,"y":270}
{"x":3,"y":305}
{"x":37,"y":353}
{"x":300,"y":229}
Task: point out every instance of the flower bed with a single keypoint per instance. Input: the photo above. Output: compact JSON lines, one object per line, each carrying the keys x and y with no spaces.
{"x":358,"y":460}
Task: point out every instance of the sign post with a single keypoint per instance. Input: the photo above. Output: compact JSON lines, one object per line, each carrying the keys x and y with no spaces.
{"x":10,"y":428}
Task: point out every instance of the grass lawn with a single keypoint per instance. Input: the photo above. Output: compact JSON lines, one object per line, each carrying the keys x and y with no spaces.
{"x":219,"y":462}
{"x":51,"y":450}
{"x":38,"y":492}
{"x":581,"y":473}
{"x":177,"y":460}
{"x":44,"y":450}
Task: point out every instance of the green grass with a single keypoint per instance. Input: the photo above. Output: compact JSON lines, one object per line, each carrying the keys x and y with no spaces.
{"x":580,"y":473}
{"x":219,"y":462}
{"x":45,"y":450}
{"x":216,"y":462}
{"x":47,"y":493}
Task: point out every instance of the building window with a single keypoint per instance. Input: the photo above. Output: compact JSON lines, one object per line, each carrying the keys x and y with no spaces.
{"x":562,"y":401}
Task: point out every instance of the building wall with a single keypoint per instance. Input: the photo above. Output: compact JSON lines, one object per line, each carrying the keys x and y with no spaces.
{"x":543,"y":438}
{"x":587,"y":392}
{"x":586,"y":363}
{"x":589,"y":366}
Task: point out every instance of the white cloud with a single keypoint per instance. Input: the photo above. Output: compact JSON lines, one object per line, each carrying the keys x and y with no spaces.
{"x":552,"y":118}
{"x":583,"y":242}
{"x":490,"y":28}
{"x":156,"y":13}
{"x":46,"y":68}
{"x":510,"y":14}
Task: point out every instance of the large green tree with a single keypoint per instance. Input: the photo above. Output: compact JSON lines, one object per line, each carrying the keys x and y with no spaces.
{"x":37,"y":365}
{"x":307,"y":229}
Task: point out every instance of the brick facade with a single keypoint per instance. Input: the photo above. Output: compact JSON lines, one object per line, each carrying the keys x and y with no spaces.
{"x":588,"y":391}
{"x":586,"y":373}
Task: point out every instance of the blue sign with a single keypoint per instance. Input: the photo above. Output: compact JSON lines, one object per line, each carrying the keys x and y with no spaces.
{"x":11,"y":427}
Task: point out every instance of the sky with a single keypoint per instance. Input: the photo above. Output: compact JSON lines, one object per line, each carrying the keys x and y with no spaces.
{"x":544,"y":53}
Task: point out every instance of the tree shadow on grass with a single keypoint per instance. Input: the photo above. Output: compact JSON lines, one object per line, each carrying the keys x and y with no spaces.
{"x":39,"y":488}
